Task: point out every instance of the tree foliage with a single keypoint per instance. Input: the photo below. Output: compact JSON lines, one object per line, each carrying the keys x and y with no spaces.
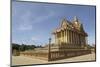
{"x":23,"y":47}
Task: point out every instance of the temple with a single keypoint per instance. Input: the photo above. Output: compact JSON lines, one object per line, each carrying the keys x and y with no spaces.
{"x":70,"y":40}
{"x":70,"y":34}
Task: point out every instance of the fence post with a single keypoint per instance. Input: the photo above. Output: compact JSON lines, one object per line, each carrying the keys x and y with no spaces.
{"x":49,"y":54}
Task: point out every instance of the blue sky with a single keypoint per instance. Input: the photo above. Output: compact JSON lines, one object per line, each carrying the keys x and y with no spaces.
{"x":33,"y":23}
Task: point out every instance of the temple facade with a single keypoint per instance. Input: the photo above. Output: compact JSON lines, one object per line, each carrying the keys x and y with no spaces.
{"x":70,"y":34}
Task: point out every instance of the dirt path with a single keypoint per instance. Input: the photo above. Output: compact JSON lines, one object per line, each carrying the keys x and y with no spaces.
{"x":22,"y":60}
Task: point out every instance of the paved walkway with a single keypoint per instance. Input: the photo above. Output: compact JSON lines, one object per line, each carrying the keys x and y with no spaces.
{"x":22,"y":60}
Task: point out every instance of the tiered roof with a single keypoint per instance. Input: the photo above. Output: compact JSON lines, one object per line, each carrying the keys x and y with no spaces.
{"x":75,"y":26}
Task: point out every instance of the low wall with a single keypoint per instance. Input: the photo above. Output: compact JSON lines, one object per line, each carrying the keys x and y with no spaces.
{"x":67,"y":54}
{"x":56,"y":55}
{"x":43,"y":56}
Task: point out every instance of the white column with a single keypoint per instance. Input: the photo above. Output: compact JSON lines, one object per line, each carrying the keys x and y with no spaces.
{"x":61,"y":37}
{"x":78,"y":39}
{"x":55,"y":38}
{"x":69,"y":37}
{"x":66,"y":36}
{"x":74,"y":38}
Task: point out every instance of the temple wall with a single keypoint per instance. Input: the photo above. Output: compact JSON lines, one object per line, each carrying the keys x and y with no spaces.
{"x":56,"y":55}
{"x":70,"y":37}
{"x":67,"y":54}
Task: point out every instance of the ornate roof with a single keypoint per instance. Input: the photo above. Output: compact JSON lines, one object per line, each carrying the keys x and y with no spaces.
{"x":75,"y":25}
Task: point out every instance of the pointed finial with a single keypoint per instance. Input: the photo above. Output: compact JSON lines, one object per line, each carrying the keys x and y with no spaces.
{"x":75,"y":18}
{"x":64,"y":19}
{"x":63,"y":22}
{"x":81,"y":27}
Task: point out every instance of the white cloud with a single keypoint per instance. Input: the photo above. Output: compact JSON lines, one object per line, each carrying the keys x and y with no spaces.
{"x":25,"y":27}
{"x":34,"y":38}
{"x":43,"y":17}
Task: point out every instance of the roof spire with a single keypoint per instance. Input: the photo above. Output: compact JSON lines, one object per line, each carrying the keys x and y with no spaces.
{"x":63,"y":22}
{"x":64,"y":19}
{"x":75,"y":18}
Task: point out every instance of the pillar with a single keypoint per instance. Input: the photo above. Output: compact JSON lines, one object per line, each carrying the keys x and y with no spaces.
{"x":84,"y":40}
{"x":66,"y":36}
{"x":81,"y":39}
{"x":74,"y":38}
{"x":56,"y":38}
{"x":69,"y":37}
{"x":78,"y":39}
{"x":61,"y":36}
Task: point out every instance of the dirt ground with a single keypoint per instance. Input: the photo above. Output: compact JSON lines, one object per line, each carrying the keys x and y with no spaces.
{"x":23,"y":60}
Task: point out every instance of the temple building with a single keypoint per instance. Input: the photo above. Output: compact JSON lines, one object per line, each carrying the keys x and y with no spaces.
{"x":70,"y":34}
{"x":70,"y":40}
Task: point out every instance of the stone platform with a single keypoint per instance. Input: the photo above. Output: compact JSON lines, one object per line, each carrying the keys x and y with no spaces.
{"x":55,"y":54}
